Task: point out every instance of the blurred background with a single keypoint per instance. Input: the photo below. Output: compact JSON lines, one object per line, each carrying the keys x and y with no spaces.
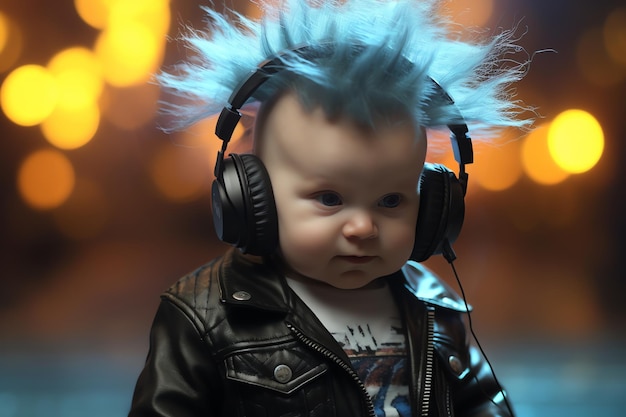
{"x":100,"y":211}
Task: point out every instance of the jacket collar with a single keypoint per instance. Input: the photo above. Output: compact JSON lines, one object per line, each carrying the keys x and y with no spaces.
{"x":429,"y":288}
{"x":261,"y":285}
{"x":246,"y":283}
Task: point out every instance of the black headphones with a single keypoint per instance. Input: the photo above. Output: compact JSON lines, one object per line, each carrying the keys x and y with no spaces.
{"x":244,"y":211}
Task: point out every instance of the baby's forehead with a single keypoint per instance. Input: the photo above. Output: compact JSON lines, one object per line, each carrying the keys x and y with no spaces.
{"x":381,"y":119}
{"x":309,"y":139}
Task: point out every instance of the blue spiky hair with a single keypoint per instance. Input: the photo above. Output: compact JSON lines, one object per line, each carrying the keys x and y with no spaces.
{"x":361,"y":83}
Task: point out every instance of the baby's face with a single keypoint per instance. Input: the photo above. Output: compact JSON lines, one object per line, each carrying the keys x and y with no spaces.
{"x":346,"y":197}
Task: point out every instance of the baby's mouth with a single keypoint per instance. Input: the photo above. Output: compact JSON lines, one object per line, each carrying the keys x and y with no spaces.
{"x":357,"y":259}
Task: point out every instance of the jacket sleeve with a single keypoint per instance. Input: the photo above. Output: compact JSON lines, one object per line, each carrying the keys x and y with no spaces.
{"x":178,"y":379}
{"x":483,"y":396}
{"x":475,"y":390}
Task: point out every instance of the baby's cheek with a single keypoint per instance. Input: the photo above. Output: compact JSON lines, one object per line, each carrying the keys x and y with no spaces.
{"x":402,"y":240}
{"x":305,"y":252}
{"x":304,"y":240}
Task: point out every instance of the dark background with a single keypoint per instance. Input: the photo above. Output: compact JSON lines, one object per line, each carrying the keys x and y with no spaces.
{"x":542,"y":265}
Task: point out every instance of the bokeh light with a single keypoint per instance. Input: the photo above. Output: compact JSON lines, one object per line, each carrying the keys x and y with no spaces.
{"x":10,"y":42}
{"x":99,"y":14}
{"x":45,"y":179}
{"x":131,"y":44}
{"x":496,"y":166}
{"x":71,"y":128}
{"x":615,"y":35}
{"x":79,"y":77}
{"x":594,"y":61}
{"x":129,"y":53}
{"x":94,"y":12}
{"x":576,"y":141}
{"x":28,"y":95}
{"x":4,"y":31}
{"x":537,"y":161}
{"x":181,"y":174}
{"x":154,"y":14}
{"x":76,"y":117}
{"x":469,"y":13}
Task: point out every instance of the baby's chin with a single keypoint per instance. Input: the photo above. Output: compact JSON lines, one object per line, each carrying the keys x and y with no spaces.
{"x":352,"y":280}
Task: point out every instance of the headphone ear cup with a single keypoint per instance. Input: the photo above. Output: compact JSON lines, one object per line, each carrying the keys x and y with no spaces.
{"x":263,"y":230}
{"x":441,"y":211}
{"x":244,"y":211}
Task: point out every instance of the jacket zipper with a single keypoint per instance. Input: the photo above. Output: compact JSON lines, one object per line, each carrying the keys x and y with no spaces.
{"x":430,"y":352}
{"x":337,"y":360}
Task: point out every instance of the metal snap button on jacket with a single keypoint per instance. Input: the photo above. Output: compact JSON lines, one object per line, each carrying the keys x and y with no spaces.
{"x":455,"y":364}
{"x":282,"y":373}
{"x":242,"y":296}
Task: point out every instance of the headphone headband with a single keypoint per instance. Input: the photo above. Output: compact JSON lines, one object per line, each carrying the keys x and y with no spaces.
{"x":230,"y":115}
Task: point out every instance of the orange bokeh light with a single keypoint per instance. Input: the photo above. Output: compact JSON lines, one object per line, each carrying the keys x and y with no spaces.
{"x":537,"y":162}
{"x":46,"y":179}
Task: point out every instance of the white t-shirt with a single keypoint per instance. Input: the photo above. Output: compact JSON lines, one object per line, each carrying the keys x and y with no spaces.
{"x":367,"y":324}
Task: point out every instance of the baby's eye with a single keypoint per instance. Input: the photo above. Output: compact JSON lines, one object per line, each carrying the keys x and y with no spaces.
{"x":329,"y":199}
{"x":390,"y":201}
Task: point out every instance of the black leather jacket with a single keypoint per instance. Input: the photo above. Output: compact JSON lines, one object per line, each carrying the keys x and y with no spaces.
{"x":232,"y":339}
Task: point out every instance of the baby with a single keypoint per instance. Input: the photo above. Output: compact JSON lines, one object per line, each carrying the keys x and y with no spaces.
{"x":322,"y":308}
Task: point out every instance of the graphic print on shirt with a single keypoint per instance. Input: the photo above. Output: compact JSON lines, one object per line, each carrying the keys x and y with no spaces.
{"x":381,"y":364}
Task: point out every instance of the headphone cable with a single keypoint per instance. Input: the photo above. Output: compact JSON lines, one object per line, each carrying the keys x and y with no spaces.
{"x":450,"y":256}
